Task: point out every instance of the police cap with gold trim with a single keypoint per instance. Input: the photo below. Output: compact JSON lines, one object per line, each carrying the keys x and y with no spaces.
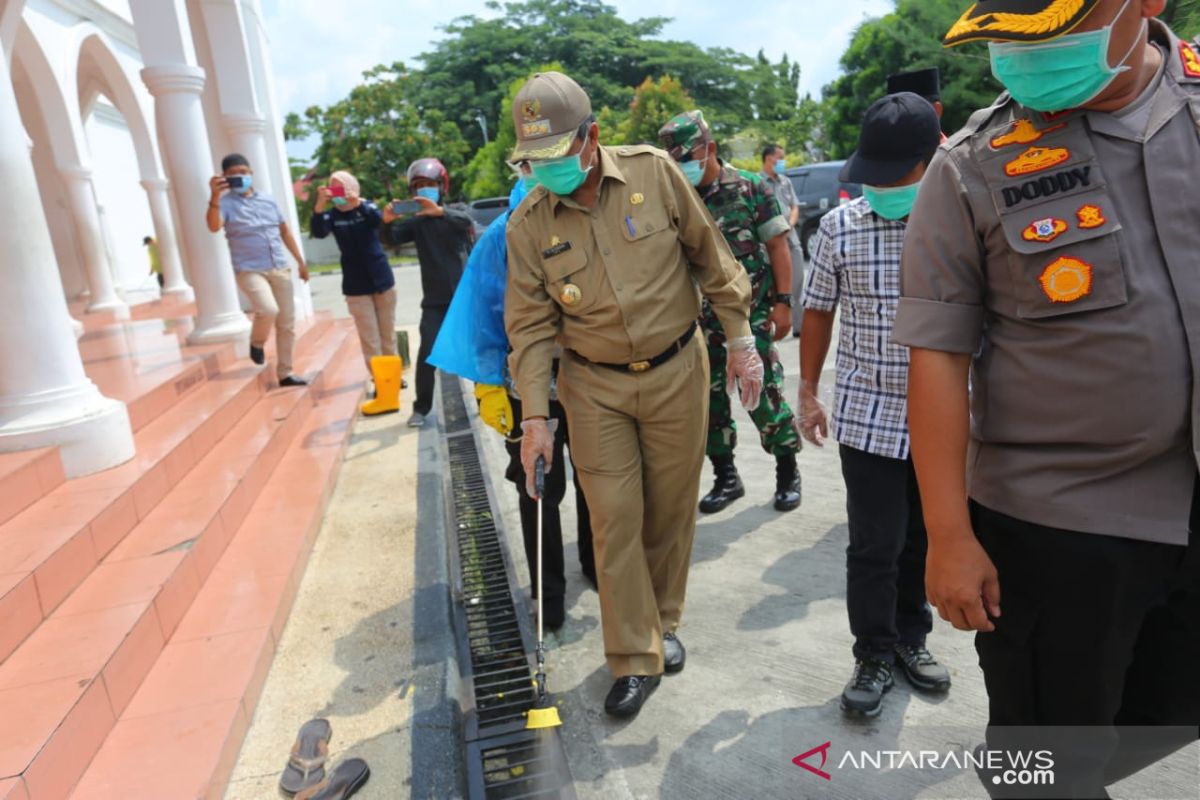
{"x":1018,"y":20}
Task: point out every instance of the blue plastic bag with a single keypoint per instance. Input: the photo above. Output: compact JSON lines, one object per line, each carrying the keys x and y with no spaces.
{"x":472,"y":343}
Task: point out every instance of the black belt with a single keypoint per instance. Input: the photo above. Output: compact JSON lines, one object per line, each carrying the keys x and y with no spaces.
{"x":657,"y":361}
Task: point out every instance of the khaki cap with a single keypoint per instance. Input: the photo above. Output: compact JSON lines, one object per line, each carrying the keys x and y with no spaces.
{"x":547,"y":113}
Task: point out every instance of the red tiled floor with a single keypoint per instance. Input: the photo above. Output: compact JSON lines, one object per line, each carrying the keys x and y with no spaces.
{"x":176,"y":596}
{"x":232,"y":602}
{"x":13,"y":789}
{"x":40,"y":708}
{"x":63,"y":570}
{"x":138,"y":763}
{"x":21,"y":482}
{"x":76,"y":645}
{"x":112,"y":524}
{"x":19,"y":610}
{"x":131,"y":662}
{"x":200,"y":671}
{"x":69,"y":751}
{"x":121,"y":583}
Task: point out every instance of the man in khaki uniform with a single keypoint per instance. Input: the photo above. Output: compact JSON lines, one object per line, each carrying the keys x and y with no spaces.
{"x":1052,"y":255}
{"x":609,"y":256}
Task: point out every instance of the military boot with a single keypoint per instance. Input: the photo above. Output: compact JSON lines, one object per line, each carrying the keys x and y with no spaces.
{"x":787,"y":483}
{"x":727,"y":486}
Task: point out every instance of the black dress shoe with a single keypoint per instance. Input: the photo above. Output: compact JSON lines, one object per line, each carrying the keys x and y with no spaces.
{"x":292,"y":380}
{"x":674,"y":653}
{"x":922,"y":669}
{"x":863,"y":695}
{"x":628,"y":695}
{"x":727,"y":486}
{"x":787,"y":483}
{"x":257,"y":355}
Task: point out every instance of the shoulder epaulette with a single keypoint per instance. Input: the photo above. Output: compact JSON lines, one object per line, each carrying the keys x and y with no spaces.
{"x":978,"y":121}
{"x":518,"y":214}
{"x":641,"y":150}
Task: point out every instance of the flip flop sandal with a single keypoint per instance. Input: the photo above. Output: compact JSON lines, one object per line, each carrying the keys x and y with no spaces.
{"x":347,"y":778}
{"x":306,"y":764}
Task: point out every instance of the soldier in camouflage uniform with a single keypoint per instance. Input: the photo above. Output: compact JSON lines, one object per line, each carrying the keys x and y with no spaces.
{"x":748,"y":216}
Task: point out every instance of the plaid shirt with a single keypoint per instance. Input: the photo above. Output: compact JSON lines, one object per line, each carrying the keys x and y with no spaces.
{"x":856,"y":265}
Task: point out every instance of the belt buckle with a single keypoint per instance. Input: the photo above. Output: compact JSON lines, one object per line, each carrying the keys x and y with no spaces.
{"x":639,"y":366}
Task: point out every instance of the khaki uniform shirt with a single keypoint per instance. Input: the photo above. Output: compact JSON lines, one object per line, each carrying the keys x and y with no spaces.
{"x":619,"y":282}
{"x":785,"y":193}
{"x":1063,"y":251}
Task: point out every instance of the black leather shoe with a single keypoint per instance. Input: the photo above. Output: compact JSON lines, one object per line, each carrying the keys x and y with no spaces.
{"x":628,"y":695}
{"x":787,"y":483}
{"x":257,"y":355}
{"x":555,"y":613}
{"x":921,"y":669}
{"x":292,"y":380}
{"x":674,"y":653}
{"x":863,"y":695}
{"x":727,"y":486}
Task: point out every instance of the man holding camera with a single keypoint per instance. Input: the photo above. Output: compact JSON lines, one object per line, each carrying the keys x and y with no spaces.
{"x":257,"y":234}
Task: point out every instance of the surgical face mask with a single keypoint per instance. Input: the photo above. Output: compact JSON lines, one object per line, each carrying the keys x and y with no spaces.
{"x":893,"y":202}
{"x":244,"y":184}
{"x":1063,"y":73}
{"x":694,"y":170}
{"x":339,"y":201}
{"x":430,"y":193}
{"x":781,"y":165}
{"x":561,"y":175}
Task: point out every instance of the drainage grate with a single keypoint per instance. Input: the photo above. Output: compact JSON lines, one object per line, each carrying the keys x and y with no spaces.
{"x":495,"y":636}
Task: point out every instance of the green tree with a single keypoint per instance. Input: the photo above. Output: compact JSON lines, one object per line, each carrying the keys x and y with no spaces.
{"x":654,"y":102}
{"x":908,"y":38}
{"x":1184,"y":17}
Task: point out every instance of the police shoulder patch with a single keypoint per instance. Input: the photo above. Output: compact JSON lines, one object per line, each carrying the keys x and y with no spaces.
{"x":1191,"y":61}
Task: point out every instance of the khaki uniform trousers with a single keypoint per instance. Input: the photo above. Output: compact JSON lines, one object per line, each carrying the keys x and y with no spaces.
{"x":270,"y":294}
{"x":637,"y":440}
{"x":375,"y":319}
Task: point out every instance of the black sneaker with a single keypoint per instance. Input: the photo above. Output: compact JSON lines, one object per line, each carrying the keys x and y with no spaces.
{"x":257,"y":355}
{"x":921,"y":669}
{"x":292,"y":380}
{"x":863,"y":695}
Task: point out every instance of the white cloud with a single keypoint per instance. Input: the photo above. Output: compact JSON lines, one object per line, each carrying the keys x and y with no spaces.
{"x":320,"y":48}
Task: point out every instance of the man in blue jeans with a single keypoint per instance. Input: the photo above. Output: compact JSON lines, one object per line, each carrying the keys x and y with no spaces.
{"x":856,"y":266}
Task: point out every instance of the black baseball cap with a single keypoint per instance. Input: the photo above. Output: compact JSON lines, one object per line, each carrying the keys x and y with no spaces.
{"x":898,"y":132}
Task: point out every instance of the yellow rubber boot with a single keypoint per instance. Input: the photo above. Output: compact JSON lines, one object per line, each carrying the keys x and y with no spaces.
{"x":386,"y":371}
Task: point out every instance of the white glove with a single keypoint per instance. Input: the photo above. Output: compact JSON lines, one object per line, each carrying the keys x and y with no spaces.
{"x":745,"y":370}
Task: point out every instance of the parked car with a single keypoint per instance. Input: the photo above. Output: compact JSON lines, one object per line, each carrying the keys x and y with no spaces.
{"x":484,"y":211}
{"x":818,"y":190}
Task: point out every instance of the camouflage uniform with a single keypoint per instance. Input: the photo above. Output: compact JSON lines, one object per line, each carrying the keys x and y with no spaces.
{"x":748,"y":215}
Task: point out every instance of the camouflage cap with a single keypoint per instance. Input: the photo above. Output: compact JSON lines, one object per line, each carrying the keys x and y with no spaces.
{"x":684,"y":133}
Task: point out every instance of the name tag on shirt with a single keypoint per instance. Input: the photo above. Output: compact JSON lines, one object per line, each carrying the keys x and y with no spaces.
{"x":557,"y":249}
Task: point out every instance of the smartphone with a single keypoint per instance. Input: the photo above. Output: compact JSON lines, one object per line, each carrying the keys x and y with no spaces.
{"x":235,"y":181}
{"x":405,"y":207}
{"x":337,"y":190}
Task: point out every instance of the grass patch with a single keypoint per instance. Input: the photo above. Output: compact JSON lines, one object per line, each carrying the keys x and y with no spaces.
{"x":326,"y":269}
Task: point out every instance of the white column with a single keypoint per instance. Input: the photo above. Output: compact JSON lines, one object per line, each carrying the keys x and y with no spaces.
{"x":246,"y":136}
{"x":46,"y":398}
{"x":174,"y":284}
{"x":84,"y":212}
{"x":180,"y":117}
{"x":76,"y":325}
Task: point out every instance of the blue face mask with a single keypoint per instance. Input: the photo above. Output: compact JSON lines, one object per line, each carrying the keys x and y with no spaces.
{"x":561,"y":175}
{"x":694,"y":170}
{"x":893,"y":202}
{"x":430,"y":193}
{"x":1063,"y":73}
{"x":339,"y":201}
{"x":780,"y":165}
{"x":247,"y":182}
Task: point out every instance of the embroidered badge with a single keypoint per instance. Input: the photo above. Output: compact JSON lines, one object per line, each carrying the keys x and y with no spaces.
{"x":1091,"y":216}
{"x":1023,"y":132}
{"x":531,"y":109}
{"x":1191,"y":61}
{"x":1036,"y":159}
{"x":555,"y":241}
{"x":571,"y":295}
{"x":637,"y":199}
{"x":1045,"y":230}
{"x":1066,"y":280}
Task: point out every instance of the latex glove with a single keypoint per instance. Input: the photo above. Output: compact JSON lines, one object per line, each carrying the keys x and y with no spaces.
{"x":537,"y":439}
{"x":745,"y":370}
{"x":814,"y":422}
{"x":495,"y":409}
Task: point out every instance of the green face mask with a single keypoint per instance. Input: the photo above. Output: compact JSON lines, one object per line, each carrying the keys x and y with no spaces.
{"x":560,"y":175}
{"x":894,"y":202}
{"x":1063,"y":73}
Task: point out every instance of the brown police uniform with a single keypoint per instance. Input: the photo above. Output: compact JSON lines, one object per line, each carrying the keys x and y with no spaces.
{"x":1062,"y":251}
{"x":619,"y":286}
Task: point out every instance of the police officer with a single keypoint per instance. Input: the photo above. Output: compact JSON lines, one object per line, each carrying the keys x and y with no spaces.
{"x":610,"y":255}
{"x":1052,"y":255}
{"x":749,"y":217}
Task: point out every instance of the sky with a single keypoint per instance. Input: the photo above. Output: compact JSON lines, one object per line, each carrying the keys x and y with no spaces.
{"x":321,"y":47}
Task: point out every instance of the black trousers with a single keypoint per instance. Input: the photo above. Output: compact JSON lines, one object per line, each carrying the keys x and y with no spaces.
{"x":1095,"y":631}
{"x":431,"y":323}
{"x":885,"y":560}
{"x":553,"y":569}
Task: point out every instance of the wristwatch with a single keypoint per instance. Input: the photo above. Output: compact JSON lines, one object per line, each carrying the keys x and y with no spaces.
{"x":786,"y":299}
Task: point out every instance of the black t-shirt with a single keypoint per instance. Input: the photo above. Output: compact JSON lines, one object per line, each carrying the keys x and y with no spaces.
{"x":443,"y":244}
{"x":365,"y":268}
